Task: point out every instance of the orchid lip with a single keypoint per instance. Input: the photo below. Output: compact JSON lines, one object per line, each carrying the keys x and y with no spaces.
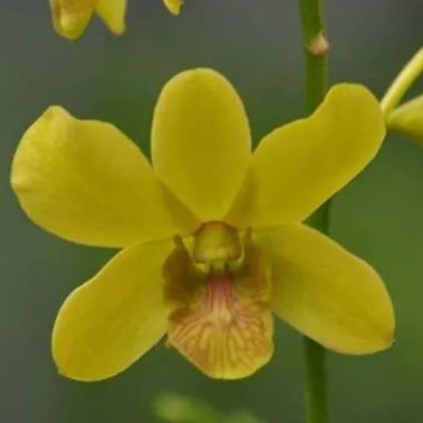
{"x":220,"y":316}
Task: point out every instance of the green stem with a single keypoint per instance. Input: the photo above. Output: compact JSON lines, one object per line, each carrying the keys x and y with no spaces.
{"x":316,"y":382}
{"x":316,"y":49}
{"x":411,"y":71}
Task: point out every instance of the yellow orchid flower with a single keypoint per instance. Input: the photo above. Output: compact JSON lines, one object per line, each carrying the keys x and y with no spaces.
{"x":71,"y":17}
{"x":211,"y":237}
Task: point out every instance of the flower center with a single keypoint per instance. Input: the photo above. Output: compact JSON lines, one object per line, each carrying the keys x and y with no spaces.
{"x":219,"y":294}
{"x":216,"y":244}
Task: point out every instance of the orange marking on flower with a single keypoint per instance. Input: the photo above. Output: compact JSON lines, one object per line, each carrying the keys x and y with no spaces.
{"x":61,"y":7}
{"x":221,"y":320}
{"x":224,"y":335}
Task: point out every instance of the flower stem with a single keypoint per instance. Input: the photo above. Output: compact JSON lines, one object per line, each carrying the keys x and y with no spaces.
{"x":316,"y":49}
{"x":316,"y":382}
{"x":411,"y":71}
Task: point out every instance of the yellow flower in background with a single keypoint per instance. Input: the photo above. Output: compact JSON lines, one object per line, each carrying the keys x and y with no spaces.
{"x":211,"y":234}
{"x":408,"y":119}
{"x":174,"y":6}
{"x":71,"y":17}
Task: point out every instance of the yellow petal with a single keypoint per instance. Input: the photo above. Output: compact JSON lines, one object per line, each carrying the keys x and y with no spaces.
{"x":87,"y":182}
{"x":326,"y":292}
{"x":408,"y":119}
{"x":174,"y":6}
{"x":113,"y":13}
{"x":71,"y":17}
{"x":220,"y":321}
{"x":201,"y":141}
{"x":105,"y":325}
{"x":299,"y":166}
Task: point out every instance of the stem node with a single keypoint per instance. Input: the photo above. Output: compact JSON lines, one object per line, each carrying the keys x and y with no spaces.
{"x":319,"y":45}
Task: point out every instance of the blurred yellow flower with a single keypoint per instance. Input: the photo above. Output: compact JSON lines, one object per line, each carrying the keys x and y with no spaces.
{"x":408,"y":119}
{"x":71,"y":17}
{"x":211,"y":237}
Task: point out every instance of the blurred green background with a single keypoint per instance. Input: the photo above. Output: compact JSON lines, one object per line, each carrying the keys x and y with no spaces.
{"x":257,"y":44}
